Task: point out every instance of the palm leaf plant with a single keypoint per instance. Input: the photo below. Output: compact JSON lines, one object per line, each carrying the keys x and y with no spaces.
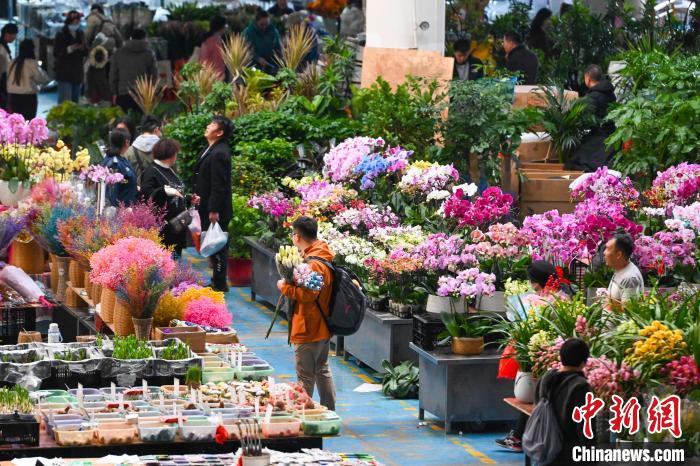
{"x":147,"y":93}
{"x":297,"y":45}
{"x":565,"y":121}
{"x":236,"y":54}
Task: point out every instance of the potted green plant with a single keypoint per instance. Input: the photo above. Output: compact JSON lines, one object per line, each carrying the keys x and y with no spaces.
{"x":245,"y":222}
{"x":467,"y":333}
{"x":400,"y":381}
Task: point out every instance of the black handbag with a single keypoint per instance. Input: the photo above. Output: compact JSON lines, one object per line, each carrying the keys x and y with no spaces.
{"x":180,"y":222}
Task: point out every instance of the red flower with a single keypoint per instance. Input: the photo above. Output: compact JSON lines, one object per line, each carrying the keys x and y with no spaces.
{"x":221,"y":435}
{"x":627,"y":145}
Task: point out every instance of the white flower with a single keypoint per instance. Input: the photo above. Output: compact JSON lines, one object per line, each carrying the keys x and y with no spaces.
{"x":438,"y":195}
{"x":469,"y":189}
{"x":652,"y":212}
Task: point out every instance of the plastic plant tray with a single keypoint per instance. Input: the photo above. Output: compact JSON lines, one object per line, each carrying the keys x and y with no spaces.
{"x":157,"y":432}
{"x":223,"y":374}
{"x":116,"y":433}
{"x":283,"y":426}
{"x":74,"y":435}
{"x":321,"y":424}
{"x":251,"y":374}
{"x":86,"y":391}
{"x":197,"y":431}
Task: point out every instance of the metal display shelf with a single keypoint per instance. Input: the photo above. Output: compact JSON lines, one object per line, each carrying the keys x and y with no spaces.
{"x":459,"y":388}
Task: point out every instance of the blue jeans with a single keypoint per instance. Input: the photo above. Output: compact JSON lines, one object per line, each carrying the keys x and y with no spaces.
{"x":68,"y":91}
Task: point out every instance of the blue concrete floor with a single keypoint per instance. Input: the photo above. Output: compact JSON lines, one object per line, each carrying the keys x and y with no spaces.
{"x":372,"y":423}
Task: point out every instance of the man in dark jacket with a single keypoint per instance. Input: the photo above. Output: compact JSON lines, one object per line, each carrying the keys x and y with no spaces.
{"x":281,"y":8}
{"x":593,"y":154}
{"x":566,"y":389}
{"x":69,"y":54}
{"x":520,"y":59}
{"x":132,"y":61}
{"x":212,"y":183}
{"x":264,"y":41}
{"x":467,"y":66}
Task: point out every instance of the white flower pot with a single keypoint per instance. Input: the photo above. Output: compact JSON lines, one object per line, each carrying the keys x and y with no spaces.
{"x":525,"y":385}
{"x":10,"y":198}
{"x":495,"y":303}
{"x":439,"y":304}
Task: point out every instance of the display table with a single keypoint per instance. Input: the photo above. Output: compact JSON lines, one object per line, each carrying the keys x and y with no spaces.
{"x":382,"y":336}
{"x":49,"y":449}
{"x":73,"y":322}
{"x":459,"y":388}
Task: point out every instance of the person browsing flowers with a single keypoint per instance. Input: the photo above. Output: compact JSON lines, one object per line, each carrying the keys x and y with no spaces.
{"x":125,"y":192}
{"x":308,"y":330}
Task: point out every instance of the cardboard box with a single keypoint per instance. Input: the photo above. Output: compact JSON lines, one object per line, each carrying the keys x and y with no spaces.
{"x":222,"y":338}
{"x":534,"y":147}
{"x":531,"y":208}
{"x":531,"y":96}
{"x":548,"y":185}
{"x":194,"y":337}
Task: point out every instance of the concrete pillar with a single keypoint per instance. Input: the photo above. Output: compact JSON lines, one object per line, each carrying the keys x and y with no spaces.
{"x":406,"y":24}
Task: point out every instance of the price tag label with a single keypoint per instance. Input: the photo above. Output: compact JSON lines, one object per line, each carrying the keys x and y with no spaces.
{"x":257,"y":406}
{"x":271,"y":384}
{"x":145,"y":390}
{"x":161,"y":400}
{"x":241,"y":397}
{"x":121,"y":400}
{"x":268,"y":414}
{"x":239,"y":362}
{"x":80,"y":395}
{"x":176,"y":384}
{"x":193,"y":396}
{"x":113,"y":392}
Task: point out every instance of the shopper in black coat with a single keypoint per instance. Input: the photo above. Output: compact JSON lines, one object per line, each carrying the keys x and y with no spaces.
{"x":69,"y":54}
{"x":593,"y":153}
{"x":520,"y":59}
{"x":212,"y":183}
{"x":161,"y":186}
{"x":537,"y":37}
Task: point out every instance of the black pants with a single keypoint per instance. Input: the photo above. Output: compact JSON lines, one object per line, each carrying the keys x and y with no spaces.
{"x":24,"y":104}
{"x":126,"y":102}
{"x":219,"y":265}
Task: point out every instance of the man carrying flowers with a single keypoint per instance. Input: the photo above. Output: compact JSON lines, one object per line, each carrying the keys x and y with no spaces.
{"x":310,"y":297}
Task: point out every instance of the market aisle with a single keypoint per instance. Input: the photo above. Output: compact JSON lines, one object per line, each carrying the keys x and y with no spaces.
{"x":372,"y":423}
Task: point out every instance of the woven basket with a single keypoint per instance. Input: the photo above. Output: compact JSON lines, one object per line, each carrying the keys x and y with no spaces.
{"x":53,"y":265}
{"x":88,"y":285}
{"x":28,"y":256}
{"x":123,"y":325}
{"x":76,"y":274}
{"x":107,"y":303}
{"x":96,"y":294}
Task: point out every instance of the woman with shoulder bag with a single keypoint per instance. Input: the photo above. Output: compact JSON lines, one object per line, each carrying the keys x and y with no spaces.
{"x":24,"y":80}
{"x":161,"y":185}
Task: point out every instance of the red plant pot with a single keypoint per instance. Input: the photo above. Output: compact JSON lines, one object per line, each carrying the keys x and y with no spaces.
{"x":240,"y":271}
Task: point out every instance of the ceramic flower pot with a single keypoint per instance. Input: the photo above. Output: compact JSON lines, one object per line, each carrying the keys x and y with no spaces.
{"x":440,"y":304}
{"x":494,"y":303}
{"x":525,"y":385}
{"x":11,"y":192}
{"x":240,"y":271}
{"x":467,"y":346}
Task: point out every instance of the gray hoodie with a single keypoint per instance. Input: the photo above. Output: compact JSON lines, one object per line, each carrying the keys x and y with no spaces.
{"x":140,"y":154}
{"x":128,"y":63}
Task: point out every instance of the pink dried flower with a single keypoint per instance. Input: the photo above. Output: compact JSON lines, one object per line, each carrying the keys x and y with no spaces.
{"x":205,"y":311}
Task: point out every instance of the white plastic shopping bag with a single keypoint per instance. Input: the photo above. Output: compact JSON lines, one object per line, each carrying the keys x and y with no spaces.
{"x":214,"y":239}
{"x":195,"y":227}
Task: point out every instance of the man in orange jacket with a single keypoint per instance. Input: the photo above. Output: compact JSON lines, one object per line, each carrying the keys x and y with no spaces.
{"x":309,"y":332}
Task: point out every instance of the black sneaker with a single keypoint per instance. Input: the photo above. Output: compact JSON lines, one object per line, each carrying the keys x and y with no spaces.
{"x":510,"y":442}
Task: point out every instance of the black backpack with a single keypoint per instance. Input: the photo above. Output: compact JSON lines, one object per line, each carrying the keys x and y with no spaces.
{"x":348,"y":302}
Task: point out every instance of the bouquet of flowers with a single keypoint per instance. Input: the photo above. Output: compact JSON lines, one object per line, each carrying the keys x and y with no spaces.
{"x":18,"y":141}
{"x":100,"y":174}
{"x":605,"y":186}
{"x":142,"y":288}
{"x":366,"y":218}
{"x":307,"y":278}
{"x":111,"y":263}
{"x":287,"y":259}
{"x":59,"y":163}
{"x":372,"y":166}
{"x":11,"y":224}
{"x":207,"y":312}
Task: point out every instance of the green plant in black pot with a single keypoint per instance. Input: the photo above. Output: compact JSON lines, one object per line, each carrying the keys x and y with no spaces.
{"x":245,"y":222}
{"x":400,"y":381}
{"x":467,"y":332}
